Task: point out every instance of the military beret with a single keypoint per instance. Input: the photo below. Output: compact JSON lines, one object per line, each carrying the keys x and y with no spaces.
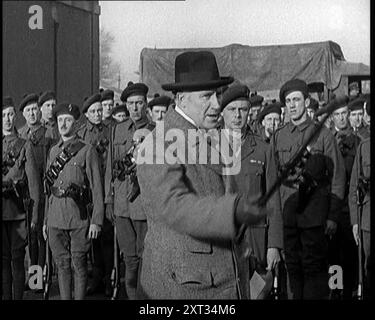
{"x":234,"y":92}
{"x":356,"y":104}
{"x":46,"y":96}
{"x":339,"y":102}
{"x":314,"y":104}
{"x":120,"y":108}
{"x":8,"y":102}
{"x":158,"y":100}
{"x":353,"y":85}
{"x":134,"y":89}
{"x":255,"y":99}
{"x":66,"y":108}
{"x":28,"y":99}
{"x":271,"y":108}
{"x":107,"y":95}
{"x":291,"y":86}
{"x":90,"y":101}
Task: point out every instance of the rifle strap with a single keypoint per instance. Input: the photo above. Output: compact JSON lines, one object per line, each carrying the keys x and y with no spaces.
{"x":16,"y":148}
{"x":70,"y":151}
{"x":36,"y":136}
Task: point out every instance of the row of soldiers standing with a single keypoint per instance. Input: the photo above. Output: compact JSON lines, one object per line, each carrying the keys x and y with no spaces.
{"x":96,"y":164}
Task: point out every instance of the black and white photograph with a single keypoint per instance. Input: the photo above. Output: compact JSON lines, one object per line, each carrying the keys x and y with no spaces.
{"x":200,"y":151}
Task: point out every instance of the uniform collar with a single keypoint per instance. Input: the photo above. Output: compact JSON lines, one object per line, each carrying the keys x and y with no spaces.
{"x":140,"y":123}
{"x":62,"y":143}
{"x":92,"y":126}
{"x":301,"y":127}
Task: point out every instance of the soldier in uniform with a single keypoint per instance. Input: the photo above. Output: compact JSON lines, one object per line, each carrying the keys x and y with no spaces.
{"x":128,"y":216}
{"x":107,"y":104}
{"x":360,"y":217}
{"x":269,"y":117}
{"x":356,"y":118}
{"x":20,"y":195}
{"x":75,"y":203}
{"x":192,"y":220}
{"x":255,"y":107}
{"x":97,"y":133}
{"x":46,"y":102}
{"x":41,"y":140}
{"x":353,"y":90}
{"x":120,"y":113}
{"x":342,"y":246}
{"x":311,"y":198}
{"x":312,"y":108}
{"x":158,"y":107}
{"x":258,"y":172}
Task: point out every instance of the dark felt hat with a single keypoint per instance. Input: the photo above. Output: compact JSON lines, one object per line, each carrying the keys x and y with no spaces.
{"x":66,"y":108}
{"x":314,"y":104}
{"x":107,"y":95}
{"x":235,"y":92}
{"x":46,"y":96}
{"x":291,"y":86}
{"x":158,"y":100}
{"x":356,"y":104}
{"x":28,"y":99}
{"x":119,"y":108}
{"x":90,"y":101}
{"x":195,"y":71}
{"x":134,"y":89}
{"x":256,"y":99}
{"x":8,"y":102}
{"x":271,"y":108}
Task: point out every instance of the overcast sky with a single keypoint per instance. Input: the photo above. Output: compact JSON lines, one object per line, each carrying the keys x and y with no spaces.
{"x":217,"y":23}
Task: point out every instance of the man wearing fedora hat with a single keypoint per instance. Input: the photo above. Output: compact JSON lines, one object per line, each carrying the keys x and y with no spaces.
{"x":192,"y":218}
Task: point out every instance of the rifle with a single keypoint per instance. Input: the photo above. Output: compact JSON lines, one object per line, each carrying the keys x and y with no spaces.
{"x":47,"y":271}
{"x":296,"y":161}
{"x":115,"y":275}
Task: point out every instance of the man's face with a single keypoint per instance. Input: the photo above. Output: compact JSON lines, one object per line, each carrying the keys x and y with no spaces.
{"x":158,"y":113}
{"x":9,"y":115}
{"x":46,"y":109}
{"x":107,"y":108}
{"x":119,"y":116}
{"x":94,"y":113}
{"x":340,"y":118}
{"x":31,"y":114}
{"x":254,"y":111}
{"x":65,"y":123}
{"x":235,"y":114}
{"x":353,"y":92}
{"x":271,"y":122}
{"x":355,"y":118}
{"x":310,"y":113}
{"x":201,"y":106}
{"x":136,"y":106}
{"x":296,"y":105}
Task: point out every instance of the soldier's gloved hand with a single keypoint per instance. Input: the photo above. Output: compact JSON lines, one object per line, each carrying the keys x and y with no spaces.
{"x":249,"y":213}
{"x":94,"y":231}
{"x":356,"y":234}
{"x":273,"y":258}
{"x":44,"y":229}
{"x":109,"y":212}
{"x":331,"y":227}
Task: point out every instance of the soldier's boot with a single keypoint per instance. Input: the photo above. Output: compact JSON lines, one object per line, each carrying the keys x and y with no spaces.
{"x":7,"y":279}
{"x":18,"y":277}
{"x":80,"y":276}
{"x":131,"y":276}
{"x":64,"y":276}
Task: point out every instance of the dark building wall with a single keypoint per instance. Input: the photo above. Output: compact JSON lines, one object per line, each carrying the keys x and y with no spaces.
{"x":63,"y":56}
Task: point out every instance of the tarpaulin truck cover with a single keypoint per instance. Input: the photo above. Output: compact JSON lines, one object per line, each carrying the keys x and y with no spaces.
{"x":261,"y":68}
